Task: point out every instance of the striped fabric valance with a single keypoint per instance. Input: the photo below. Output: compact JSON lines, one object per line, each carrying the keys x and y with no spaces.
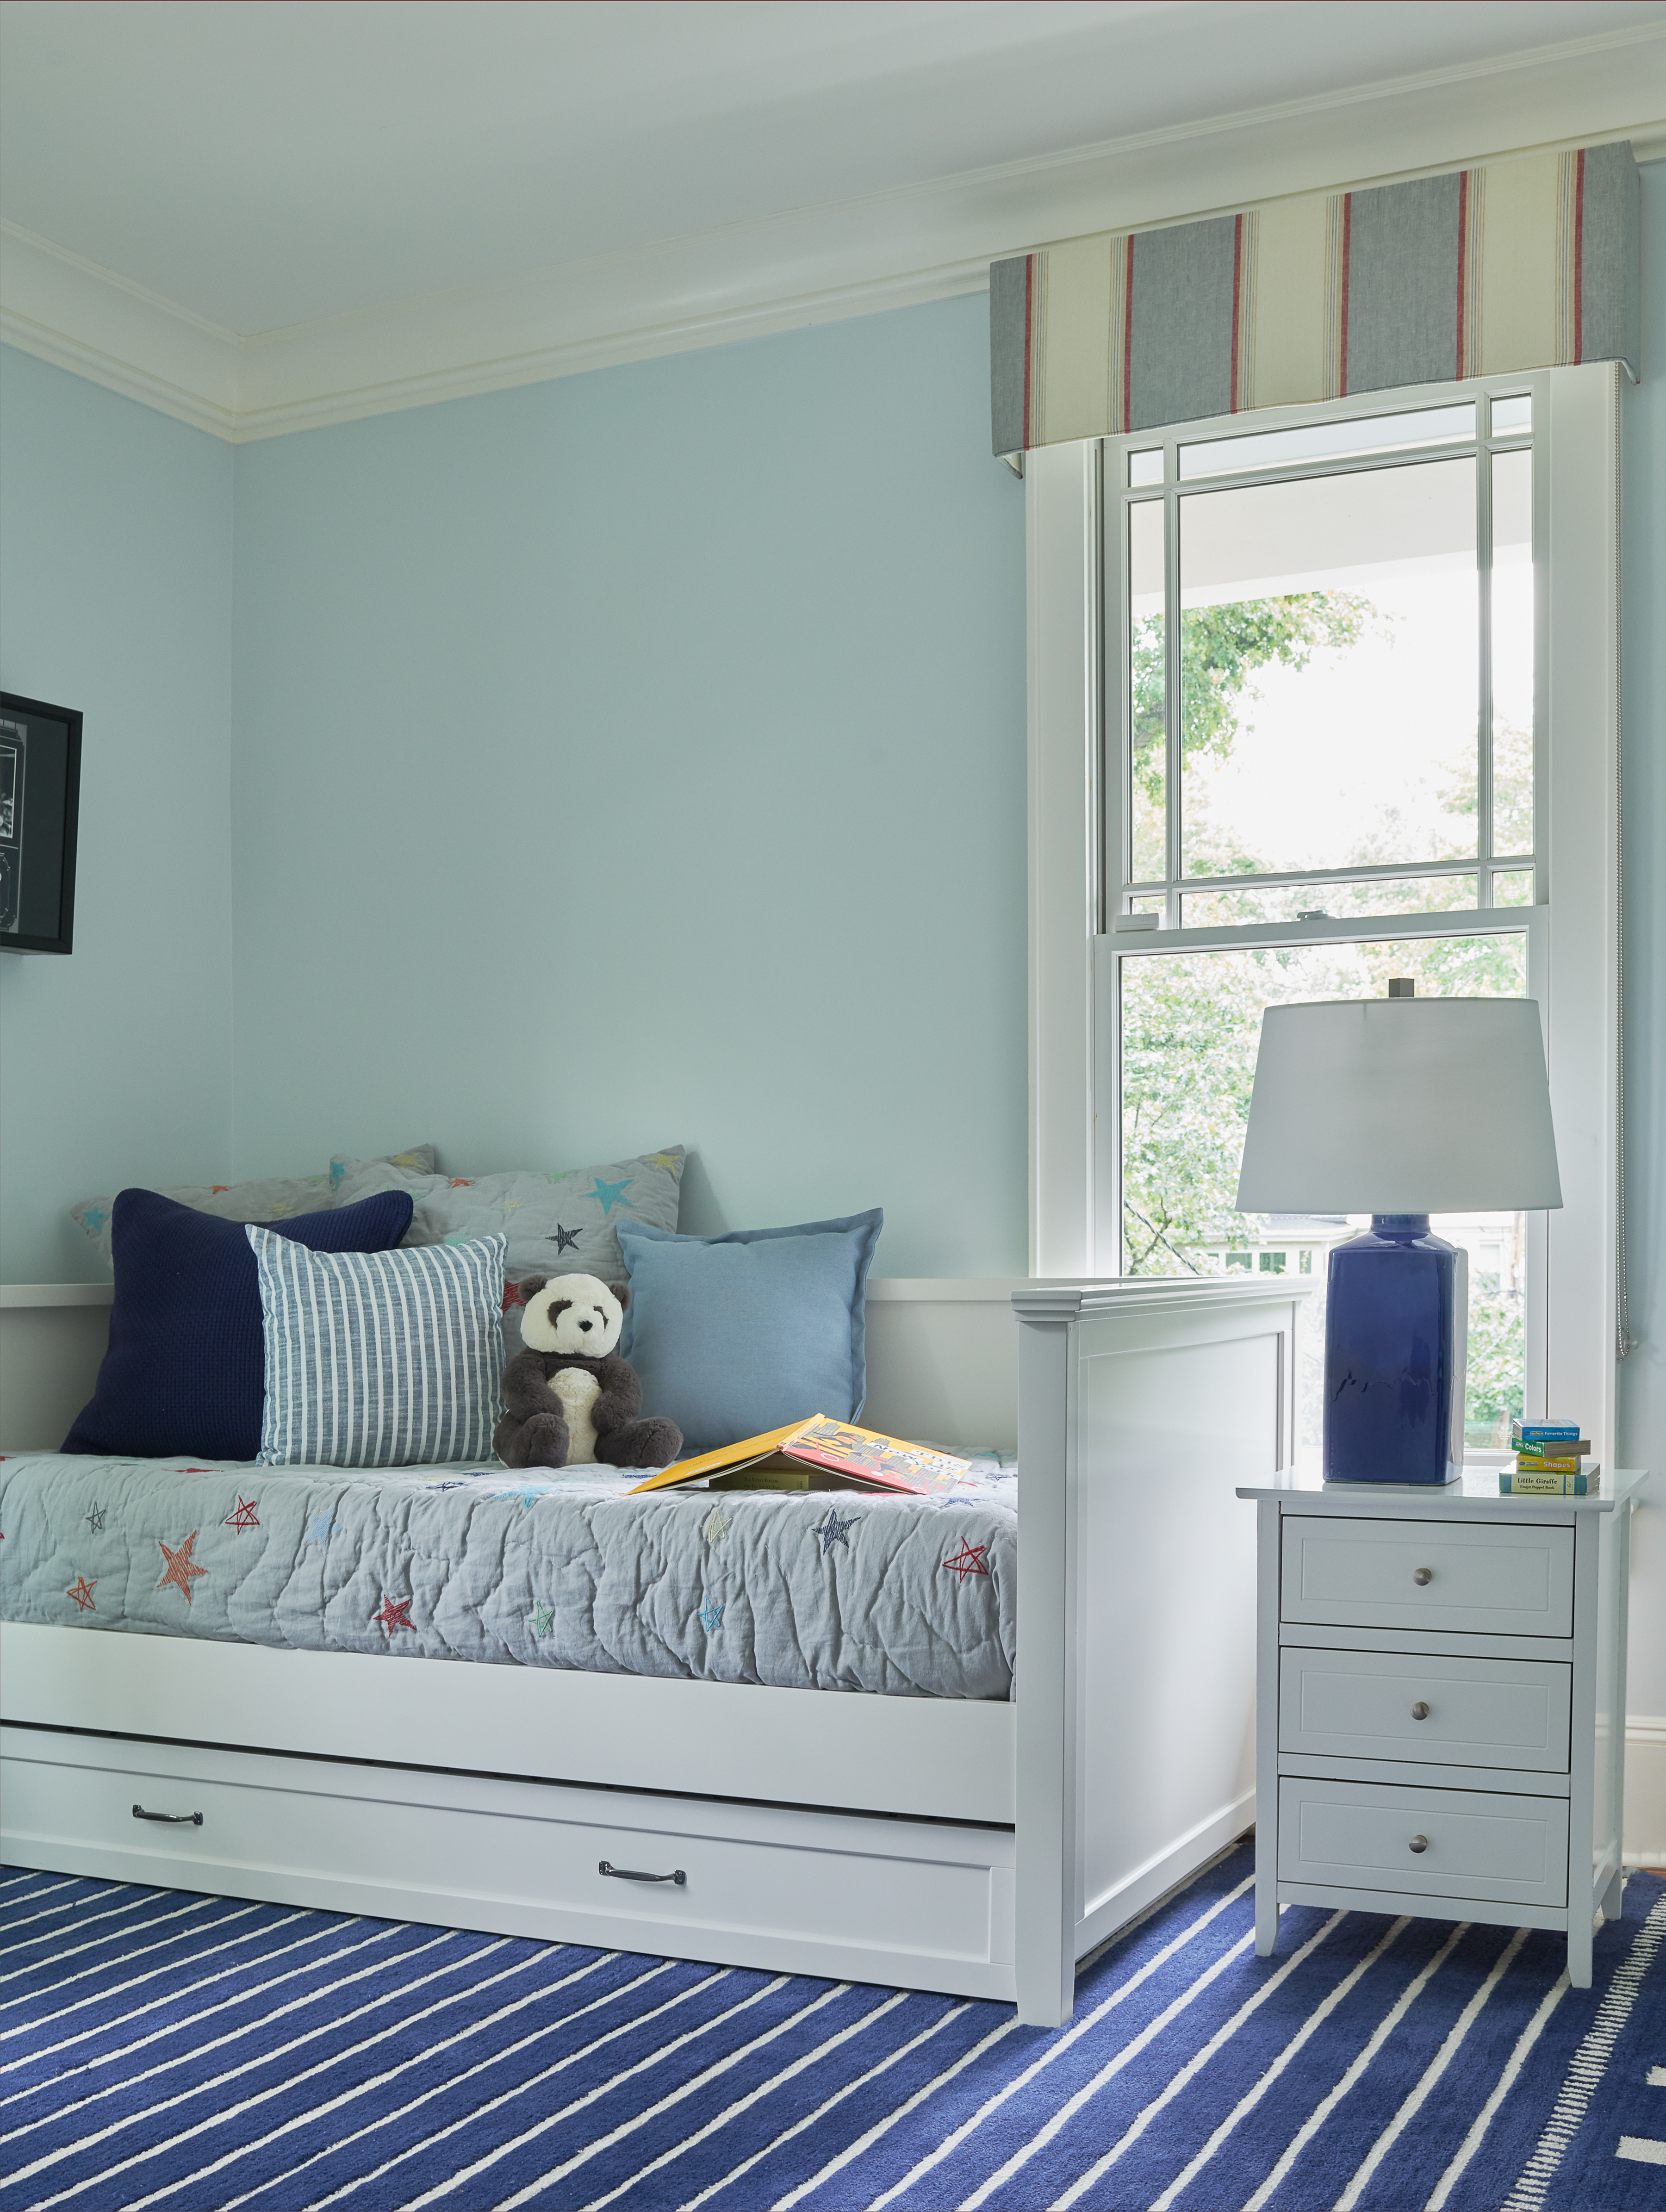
{"x":1529,"y":263}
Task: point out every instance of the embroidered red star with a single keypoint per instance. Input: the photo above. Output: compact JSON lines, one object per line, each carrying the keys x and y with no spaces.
{"x":511,"y":1296}
{"x":244,"y":1517}
{"x":462,"y":1182}
{"x":81,"y":1591}
{"x":395,"y":1613}
{"x":969,"y":1560}
{"x":180,"y":1566}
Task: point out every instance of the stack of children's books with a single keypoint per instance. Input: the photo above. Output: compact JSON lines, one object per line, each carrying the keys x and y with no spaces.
{"x":1551,"y":1460}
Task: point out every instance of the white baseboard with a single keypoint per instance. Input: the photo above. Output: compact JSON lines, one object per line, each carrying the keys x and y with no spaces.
{"x":1645,"y":1789}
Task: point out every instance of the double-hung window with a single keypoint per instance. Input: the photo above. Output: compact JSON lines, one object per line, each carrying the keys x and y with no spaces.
{"x":1321,"y":698}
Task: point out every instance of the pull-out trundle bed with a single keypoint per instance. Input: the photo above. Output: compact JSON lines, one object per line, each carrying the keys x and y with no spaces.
{"x":978,"y":1845}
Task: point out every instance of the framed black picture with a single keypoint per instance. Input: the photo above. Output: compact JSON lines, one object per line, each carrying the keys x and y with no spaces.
{"x":39,"y":799}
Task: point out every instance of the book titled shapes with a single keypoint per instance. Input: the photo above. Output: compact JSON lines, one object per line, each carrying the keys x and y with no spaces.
{"x":817,"y":1454}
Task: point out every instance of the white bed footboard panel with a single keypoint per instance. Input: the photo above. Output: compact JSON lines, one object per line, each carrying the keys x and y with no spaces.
{"x":1139,"y":1401}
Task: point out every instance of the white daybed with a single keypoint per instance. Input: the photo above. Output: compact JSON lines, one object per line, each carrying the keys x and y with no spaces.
{"x":973,"y":1847}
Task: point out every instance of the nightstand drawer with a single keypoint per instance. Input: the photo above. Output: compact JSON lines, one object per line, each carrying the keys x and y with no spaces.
{"x":1427,"y":1843}
{"x":1445,"y":1712}
{"x":1476,"y":1578}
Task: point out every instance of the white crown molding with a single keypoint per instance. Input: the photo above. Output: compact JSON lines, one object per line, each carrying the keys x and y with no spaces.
{"x":82,"y":317}
{"x":812,"y":265}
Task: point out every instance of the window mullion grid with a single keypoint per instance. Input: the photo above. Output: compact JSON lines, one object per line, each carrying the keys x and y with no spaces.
{"x":1484,"y":656}
{"x":1384,"y":872}
{"x":1116,"y":625}
{"x":1172,"y":822}
{"x":1541,"y":643}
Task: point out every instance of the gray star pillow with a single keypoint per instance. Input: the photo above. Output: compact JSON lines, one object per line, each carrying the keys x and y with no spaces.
{"x":556,"y":1225}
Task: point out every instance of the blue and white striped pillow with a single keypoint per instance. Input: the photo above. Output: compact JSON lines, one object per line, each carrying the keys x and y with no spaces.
{"x":379,"y":1358}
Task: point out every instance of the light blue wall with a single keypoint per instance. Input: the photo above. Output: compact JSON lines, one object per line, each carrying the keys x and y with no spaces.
{"x":639,"y":758}
{"x":1643,"y":1376}
{"x":115,"y":583}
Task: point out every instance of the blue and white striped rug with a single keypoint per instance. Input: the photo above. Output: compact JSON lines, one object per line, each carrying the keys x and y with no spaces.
{"x":160,"y":2049}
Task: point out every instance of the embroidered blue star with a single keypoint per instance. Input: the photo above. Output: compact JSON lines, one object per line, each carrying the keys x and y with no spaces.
{"x":832,"y":1530}
{"x":611,"y":1193}
{"x":93,"y":1218}
{"x":528,"y":1495}
{"x":541,"y":1620}
{"x":710,"y":1616}
{"x":564,"y":1239}
{"x":323,"y":1528}
{"x":445,"y":1486}
{"x":337,"y":1172}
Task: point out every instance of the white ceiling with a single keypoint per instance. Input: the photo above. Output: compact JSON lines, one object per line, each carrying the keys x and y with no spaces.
{"x":264,"y":167}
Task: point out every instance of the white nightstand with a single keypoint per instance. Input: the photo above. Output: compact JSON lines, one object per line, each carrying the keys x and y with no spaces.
{"x":1440,"y":1704}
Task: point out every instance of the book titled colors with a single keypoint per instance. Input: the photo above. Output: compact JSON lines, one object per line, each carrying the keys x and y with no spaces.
{"x":817,"y":1454}
{"x":1531,"y":1449}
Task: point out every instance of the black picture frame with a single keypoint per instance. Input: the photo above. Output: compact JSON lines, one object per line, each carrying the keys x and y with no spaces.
{"x":21,"y":856}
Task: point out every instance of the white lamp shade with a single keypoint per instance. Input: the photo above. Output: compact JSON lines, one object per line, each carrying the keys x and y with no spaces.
{"x":1400,"y":1106}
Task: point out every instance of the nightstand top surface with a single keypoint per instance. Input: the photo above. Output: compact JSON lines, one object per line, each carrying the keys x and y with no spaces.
{"x":1479,"y":1488}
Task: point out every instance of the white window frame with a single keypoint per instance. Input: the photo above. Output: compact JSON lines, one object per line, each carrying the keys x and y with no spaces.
{"x":1571,"y":929}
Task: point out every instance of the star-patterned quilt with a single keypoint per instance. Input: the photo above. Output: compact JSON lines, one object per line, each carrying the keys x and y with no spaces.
{"x":824,"y":1590}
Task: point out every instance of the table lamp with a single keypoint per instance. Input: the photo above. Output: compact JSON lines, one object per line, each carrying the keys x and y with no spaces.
{"x":1399,"y":1107}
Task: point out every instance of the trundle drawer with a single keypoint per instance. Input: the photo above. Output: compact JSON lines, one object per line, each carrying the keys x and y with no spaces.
{"x":1428,"y":1842}
{"x":1449,"y":1711}
{"x":1479,"y":1578}
{"x":845,"y":1895}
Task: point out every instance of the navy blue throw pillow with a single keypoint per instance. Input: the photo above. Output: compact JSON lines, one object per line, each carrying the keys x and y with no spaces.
{"x":186,"y":1367}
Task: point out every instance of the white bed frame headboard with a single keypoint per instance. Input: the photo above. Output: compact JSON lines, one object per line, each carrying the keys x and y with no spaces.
{"x":942,"y":1360}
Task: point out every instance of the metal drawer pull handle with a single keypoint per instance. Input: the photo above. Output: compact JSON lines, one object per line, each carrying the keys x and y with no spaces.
{"x":1421,"y":1575}
{"x":1419,"y":1842}
{"x":173,"y":1820}
{"x":624,"y":1873}
{"x":1420,"y":1711}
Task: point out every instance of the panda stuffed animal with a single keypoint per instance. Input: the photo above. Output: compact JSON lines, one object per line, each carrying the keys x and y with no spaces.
{"x":570,"y":1398}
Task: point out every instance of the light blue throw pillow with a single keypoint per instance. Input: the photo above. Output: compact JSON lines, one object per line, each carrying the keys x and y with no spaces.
{"x":379,"y":1359}
{"x":735,"y":1335}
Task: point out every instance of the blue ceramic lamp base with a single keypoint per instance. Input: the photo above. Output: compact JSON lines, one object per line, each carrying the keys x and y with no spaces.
{"x":1396,"y":1340}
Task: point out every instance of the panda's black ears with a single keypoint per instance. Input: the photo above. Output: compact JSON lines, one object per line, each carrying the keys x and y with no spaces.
{"x":622,"y":1291}
{"x":532,"y":1283}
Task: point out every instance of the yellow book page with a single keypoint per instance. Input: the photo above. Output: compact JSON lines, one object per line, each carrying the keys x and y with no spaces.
{"x":714,"y":1462}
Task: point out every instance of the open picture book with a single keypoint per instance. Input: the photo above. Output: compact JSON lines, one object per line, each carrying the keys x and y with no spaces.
{"x":816,"y":1454}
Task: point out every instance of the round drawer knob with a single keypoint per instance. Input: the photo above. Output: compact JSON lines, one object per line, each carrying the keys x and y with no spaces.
{"x":1420,"y":1711}
{"x":1421,"y":1575}
{"x":1419,"y":1842}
